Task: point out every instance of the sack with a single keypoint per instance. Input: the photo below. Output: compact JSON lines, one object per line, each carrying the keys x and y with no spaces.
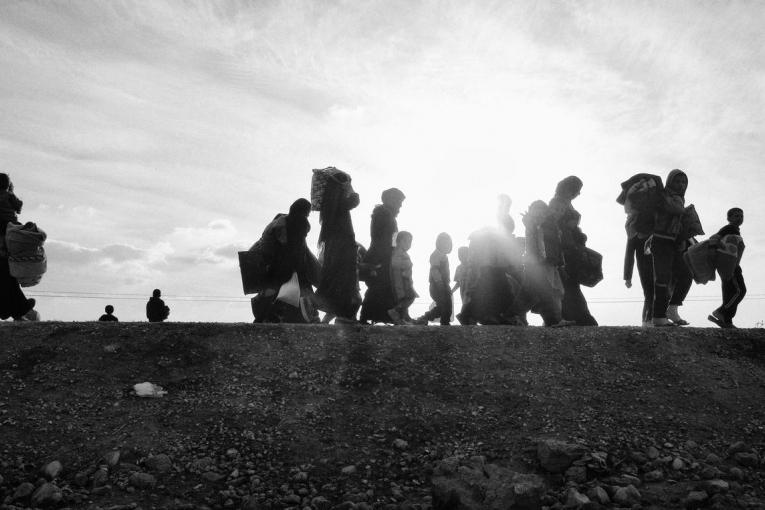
{"x":641,"y":193}
{"x":253,"y":267}
{"x":699,"y":259}
{"x":589,"y":268}
{"x":321,"y":178}
{"x":641,"y":196}
{"x":727,"y":256}
{"x":691,"y":224}
{"x":26,"y":257}
{"x":289,"y":292}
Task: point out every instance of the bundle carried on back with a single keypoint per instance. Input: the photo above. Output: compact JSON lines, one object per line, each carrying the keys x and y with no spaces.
{"x":26,"y":255}
{"x":641,"y":196}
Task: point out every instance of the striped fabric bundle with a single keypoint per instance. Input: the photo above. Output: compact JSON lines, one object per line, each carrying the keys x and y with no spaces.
{"x":26,"y":256}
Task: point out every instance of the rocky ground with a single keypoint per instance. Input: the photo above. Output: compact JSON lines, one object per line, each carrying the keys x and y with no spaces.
{"x":413,"y":417}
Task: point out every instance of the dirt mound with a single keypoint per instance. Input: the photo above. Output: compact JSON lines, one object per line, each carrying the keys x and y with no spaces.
{"x":260,"y":416}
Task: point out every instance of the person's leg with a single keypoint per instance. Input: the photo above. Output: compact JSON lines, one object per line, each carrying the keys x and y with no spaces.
{"x":734,"y":291}
{"x":644,"y":265}
{"x":446,"y":308}
{"x":682,"y":278}
{"x":662,"y":253}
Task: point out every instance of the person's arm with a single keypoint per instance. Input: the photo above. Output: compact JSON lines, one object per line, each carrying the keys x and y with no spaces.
{"x":629,"y":260}
{"x":16,"y":203}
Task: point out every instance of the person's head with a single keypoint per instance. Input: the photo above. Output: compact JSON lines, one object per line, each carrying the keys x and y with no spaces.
{"x":404,"y":240}
{"x":677,"y":182}
{"x":444,"y":243}
{"x":156,"y":293}
{"x":300,"y":207}
{"x":109,"y":309}
{"x":569,"y":188}
{"x":462,"y":254}
{"x":503,"y":203}
{"x":536,"y":213}
{"x":5,"y":182}
{"x":392,"y":198}
{"x":736,"y":216}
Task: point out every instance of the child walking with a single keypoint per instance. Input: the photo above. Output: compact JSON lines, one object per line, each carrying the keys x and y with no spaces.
{"x":733,"y":288}
{"x":439,"y":282}
{"x":401,"y":279}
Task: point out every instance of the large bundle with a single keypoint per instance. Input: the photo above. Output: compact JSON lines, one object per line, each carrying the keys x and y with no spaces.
{"x":641,"y":196}
{"x":700,"y":260}
{"x":728,"y":255}
{"x":589,"y":267}
{"x":26,"y":256}
{"x":321,"y":178}
{"x":254,"y":266}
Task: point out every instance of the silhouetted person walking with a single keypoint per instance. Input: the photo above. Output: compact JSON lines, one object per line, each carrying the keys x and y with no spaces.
{"x":13,"y":302}
{"x":667,"y":248}
{"x":338,"y":289}
{"x":156,"y":310}
{"x":733,"y":288}
{"x":379,"y":297}
{"x":573,"y":241}
{"x":109,"y":315}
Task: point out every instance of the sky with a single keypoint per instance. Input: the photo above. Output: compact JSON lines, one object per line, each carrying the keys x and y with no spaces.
{"x":154,"y":140}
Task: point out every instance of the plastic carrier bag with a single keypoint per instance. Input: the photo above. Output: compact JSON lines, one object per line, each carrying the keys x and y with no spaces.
{"x":26,"y":256}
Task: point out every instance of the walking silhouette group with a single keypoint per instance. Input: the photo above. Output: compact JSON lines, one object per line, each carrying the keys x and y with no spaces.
{"x":501,"y":276}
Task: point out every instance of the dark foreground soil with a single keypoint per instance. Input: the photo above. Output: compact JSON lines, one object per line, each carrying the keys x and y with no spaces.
{"x":360,"y":417}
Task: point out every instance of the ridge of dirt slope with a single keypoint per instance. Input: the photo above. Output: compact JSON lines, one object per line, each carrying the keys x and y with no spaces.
{"x":308,"y":416}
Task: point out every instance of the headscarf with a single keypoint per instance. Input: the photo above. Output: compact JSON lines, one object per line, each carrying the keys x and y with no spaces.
{"x":568,"y":187}
{"x":392,"y":194}
{"x":674,"y":174}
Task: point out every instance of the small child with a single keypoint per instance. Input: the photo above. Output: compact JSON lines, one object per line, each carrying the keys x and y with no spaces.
{"x":439,"y":282}
{"x":10,"y":205}
{"x":108,"y":316}
{"x":401,"y":279}
{"x":733,"y":289}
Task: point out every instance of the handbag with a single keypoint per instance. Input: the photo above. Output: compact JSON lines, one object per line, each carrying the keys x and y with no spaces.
{"x":289,"y":292}
{"x":590,"y":268}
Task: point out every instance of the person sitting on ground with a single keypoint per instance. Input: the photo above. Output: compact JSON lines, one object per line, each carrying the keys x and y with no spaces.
{"x":733,"y":289}
{"x":439,"y":282}
{"x":156,"y":310}
{"x":109,"y":315}
{"x":401,"y":279}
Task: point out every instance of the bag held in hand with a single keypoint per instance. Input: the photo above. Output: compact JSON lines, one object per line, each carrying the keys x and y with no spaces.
{"x":589,"y":270}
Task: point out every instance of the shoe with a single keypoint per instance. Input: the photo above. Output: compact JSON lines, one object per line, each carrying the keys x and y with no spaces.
{"x":675,"y":317}
{"x":720,"y":322}
{"x":395,"y":317}
{"x":662,"y":322}
{"x":563,"y":324}
{"x":647,"y":324}
{"x":32,"y":315}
